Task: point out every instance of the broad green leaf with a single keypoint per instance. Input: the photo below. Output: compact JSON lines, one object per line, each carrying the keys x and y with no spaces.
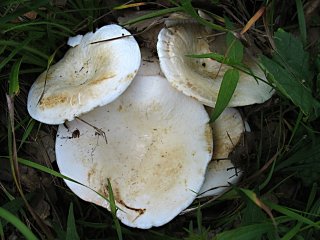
{"x":14,"y":78}
{"x":254,"y":231}
{"x":292,"y":88}
{"x":72,"y":233}
{"x":252,"y":214}
{"x":24,"y":230}
{"x":305,"y":162}
{"x":235,"y":47}
{"x":291,"y":56}
{"x":227,"y":88}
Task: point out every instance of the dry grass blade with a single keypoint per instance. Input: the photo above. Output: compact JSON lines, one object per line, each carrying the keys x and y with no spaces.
{"x":253,"y":197}
{"x":261,"y":170}
{"x":15,"y":167}
{"x":253,"y":20}
{"x":99,"y":131}
{"x":130,"y":5}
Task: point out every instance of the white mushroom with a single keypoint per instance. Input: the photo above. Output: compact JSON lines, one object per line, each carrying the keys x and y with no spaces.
{"x":227,"y":131}
{"x":89,"y":75}
{"x":201,"y":78}
{"x":159,"y":145}
{"x":74,"y":41}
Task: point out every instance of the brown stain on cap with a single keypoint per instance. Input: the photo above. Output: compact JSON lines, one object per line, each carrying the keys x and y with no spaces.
{"x":104,"y":190}
{"x":208,"y":136}
{"x":52,"y":101}
{"x":102,"y":78}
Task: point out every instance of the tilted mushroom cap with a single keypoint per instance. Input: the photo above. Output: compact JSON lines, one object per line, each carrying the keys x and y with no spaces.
{"x":159,"y":145}
{"x":227,"y":131}
{"x":89,"y":75}
{"x":201,"y":78}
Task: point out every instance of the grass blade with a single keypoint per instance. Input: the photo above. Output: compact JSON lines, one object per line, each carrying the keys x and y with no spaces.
{"x":1,"y":231}
{"x":227,"y":88}
{"x":291,"y":214}
{"x":189,"y":9}
{"x":114,"y":209}
{"x":304,"y":162}
{"x":17,"y":223}
{"x":253,"y":231}
{"x":13,"y":206}
{"x":72,"y":233}
{"x":130,"y":5}
{"x":153,"y":15}
{"x":18,"y":48}
{"x":312,"y":196}
{"x":293,"y":232}
{"x":24,"y":25}
{"x":23,"y":47}
{"x":302,"y":22}
{"x":34,"y":6}
{"x":27,"y":132}
{"x":14,"y":79}
{"x":45,"y":169}
{"x":253,"y":197}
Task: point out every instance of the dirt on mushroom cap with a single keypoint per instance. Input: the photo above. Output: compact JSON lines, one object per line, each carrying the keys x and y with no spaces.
{"x":155,"y":160}
{"x":89,"y":75}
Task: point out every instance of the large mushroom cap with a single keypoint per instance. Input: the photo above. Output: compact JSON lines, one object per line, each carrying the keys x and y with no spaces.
{"x":227,"y":131}
{"x":201,"y":78}
{"x":88,"y":76}
{"x":159,"y":145}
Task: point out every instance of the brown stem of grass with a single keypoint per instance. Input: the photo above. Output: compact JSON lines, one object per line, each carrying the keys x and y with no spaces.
{"x":15,"y":168}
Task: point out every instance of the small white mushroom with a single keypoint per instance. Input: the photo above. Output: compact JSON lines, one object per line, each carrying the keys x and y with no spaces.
{"x":89,"y":75}
{"x":201,"y":78}
{"x":159,"y":145}
{"x":227,"y":131}
{"x":74,"y":41}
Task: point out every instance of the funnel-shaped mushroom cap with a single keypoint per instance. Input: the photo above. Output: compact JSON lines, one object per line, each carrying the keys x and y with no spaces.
{"x":227,"y":131}
{"x":159,"y":145}
{"x":201,"y":78}
{"x":89,"y":75}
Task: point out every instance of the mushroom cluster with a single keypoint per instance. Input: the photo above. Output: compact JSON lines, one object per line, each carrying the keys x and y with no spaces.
{"x":133,"y":124}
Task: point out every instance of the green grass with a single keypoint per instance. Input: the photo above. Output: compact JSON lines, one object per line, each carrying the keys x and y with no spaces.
{"x":279,"y":195}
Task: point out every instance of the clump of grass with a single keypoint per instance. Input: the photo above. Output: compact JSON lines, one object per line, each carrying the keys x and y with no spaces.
{"x":278,"y":197}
